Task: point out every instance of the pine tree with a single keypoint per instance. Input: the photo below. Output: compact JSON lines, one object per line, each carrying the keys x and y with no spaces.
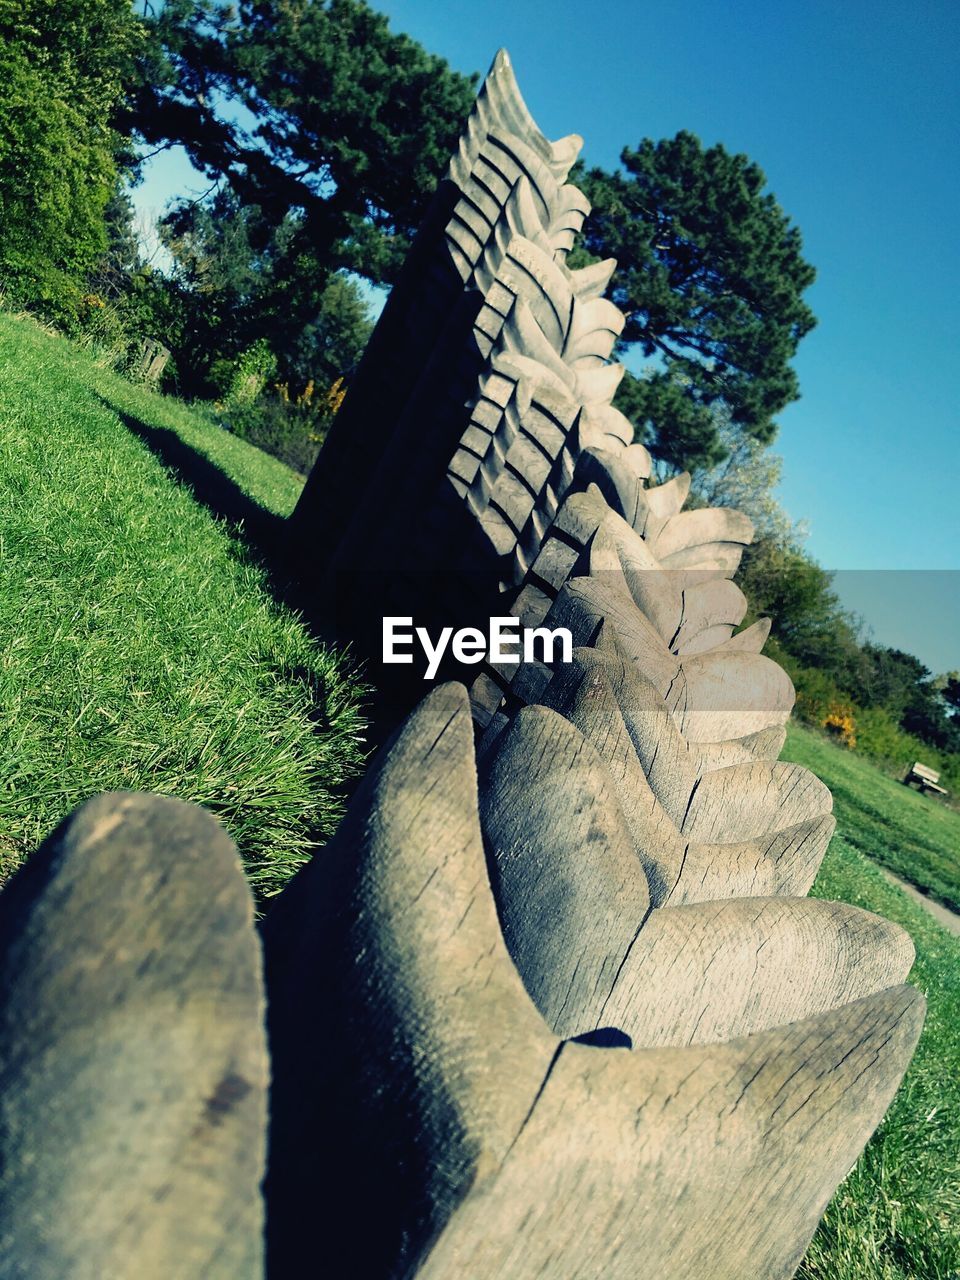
{"x":316,"y":114}
{"x":711,"y":276}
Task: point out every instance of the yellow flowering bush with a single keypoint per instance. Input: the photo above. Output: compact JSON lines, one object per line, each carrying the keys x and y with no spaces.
{"x":840,"y":723}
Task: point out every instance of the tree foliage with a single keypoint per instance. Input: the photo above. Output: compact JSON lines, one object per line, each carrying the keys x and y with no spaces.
{"x":710,"y":274}
{"x":323,"y":133}
{"x":330,"y":132}
{"x":315,"y":114}
{"x":63,"y":71}
{"x":784,"y":582}
{"x":746,"y":479}
{"x":908,"y":690}
{"x":230,"y":272}
{"x":949,"y":685}
{"x":822,"y":646}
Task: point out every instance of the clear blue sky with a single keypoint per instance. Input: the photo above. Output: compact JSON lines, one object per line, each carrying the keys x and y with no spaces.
{"x":851,"y":109}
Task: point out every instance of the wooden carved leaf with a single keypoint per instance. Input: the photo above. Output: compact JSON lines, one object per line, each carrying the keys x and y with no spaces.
{"x":133,"y":1056}
{"x":412,"y":1072}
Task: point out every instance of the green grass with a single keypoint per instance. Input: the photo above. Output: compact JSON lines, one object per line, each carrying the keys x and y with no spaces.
{"x":263,"y":478}
{"x":897,"y":1215}
{"x":139,"y":645}
{"x":915,"y":835}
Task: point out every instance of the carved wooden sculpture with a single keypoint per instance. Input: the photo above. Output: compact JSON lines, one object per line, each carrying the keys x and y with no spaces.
{"x":648,"y":854}
{"x":414,"y":1077}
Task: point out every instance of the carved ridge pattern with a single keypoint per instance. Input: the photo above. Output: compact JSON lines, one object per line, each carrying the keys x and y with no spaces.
{"x":682,"y":718}
{"x":516,"y":458}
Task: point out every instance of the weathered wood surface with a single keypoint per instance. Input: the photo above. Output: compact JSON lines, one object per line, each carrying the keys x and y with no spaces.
{"x":706,"y":1161}
{"x":748,"y":964}
{"x":152,"y":360}
{"x":412,"y":1072}
{"x":504,"y":206}
{"x":133,"y":1068}
{"x":676,"y":798}
{"x":573,"y":898}
{"x":405,"y":1051}
{"x":571,"y":891}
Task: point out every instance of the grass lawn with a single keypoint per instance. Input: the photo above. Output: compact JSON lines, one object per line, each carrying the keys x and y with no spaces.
{"x":897,"y":1215}
{"x":166,"y":422}
{"x":139,"y":645}
{"x":915,"y":835}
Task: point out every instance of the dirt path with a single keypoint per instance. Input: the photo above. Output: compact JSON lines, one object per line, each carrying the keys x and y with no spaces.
{"x":943,"y":915}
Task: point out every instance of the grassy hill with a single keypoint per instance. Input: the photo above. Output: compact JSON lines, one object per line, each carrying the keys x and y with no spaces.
{"x":140,"y":646}
{"x":914,"y":835}
{"x":897,"y":1216}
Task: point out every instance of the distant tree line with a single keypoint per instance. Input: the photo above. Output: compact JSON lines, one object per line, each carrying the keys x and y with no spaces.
{"x":878,"y":699}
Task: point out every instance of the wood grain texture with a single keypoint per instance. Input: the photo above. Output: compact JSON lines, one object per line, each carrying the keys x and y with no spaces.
{"x":709,"y":800}
{"x":783,"y":862}
{"x":763,"y":745}
{"x":570,"y":890}
{"x":711,"y":611}
{"x":737,"y":966}
{"x":133,"y":1066}
{"x":730,"y":694}
{"x":748,"y":800}
{"x":711,"y":1160}
{"x":405,"y":1051}
{"x":748,"y":832}
{"x":574,"y":908}
{"x":583,"y":693}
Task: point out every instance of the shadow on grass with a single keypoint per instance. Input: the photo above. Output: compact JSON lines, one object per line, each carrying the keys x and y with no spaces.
{"x":264,"y":535}
{"x":259,"y":528}
{"x":290,"y":574}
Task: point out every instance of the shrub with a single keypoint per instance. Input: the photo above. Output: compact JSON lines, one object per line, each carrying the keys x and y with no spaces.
{"x":882,"y":738}
{"x":293,"y":430}
{"x":248,"y":374}
{"x":870,"y":731}
{"x":840,"y":724}
{"x":63,"y":68}
{"x":103,"y":329}
{"x":817,"y":695}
